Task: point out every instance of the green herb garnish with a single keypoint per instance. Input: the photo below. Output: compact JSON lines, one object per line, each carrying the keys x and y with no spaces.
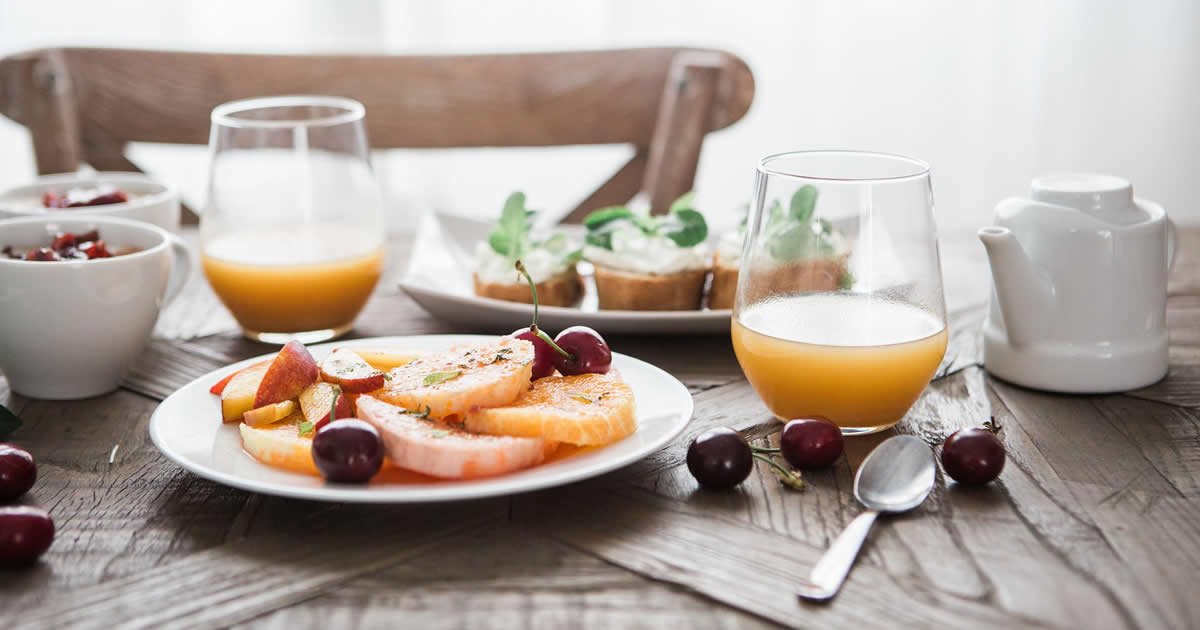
{"x":424,"y":413}
{"x":682,"y":224}
{"x":512,"y":238}
{"x":305,"y":428}
{"x":795,"y":233}
{"x":846,"y":282}
{"x":437,"y":378}
{"x":9,"y":422}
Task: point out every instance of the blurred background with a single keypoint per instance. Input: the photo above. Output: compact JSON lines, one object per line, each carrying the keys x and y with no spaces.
{"x":989,"y":93}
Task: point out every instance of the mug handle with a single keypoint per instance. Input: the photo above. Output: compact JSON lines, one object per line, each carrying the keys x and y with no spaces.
{"x":1172,"y":237}
{"x":181,"y":270}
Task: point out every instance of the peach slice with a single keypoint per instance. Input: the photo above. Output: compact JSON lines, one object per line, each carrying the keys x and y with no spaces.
{"x":238,"y":395}
{"x":316,"y":401}
{"x":219,"y":386}
{"x":270,"y":414}
{"x":383,"y":359}
{"x":292,"y":370}
{"x":345,"y":368}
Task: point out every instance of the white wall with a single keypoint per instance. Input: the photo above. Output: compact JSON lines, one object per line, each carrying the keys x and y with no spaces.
{"x":990,"y":93}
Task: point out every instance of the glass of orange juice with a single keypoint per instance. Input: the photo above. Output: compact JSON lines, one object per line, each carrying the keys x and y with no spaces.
{"x":839,"y":310}
{"x":292,"y":233}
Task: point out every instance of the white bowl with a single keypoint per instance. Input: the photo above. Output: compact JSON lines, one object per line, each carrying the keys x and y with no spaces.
{"x":153,"y":201}
{"x":73,"y":329}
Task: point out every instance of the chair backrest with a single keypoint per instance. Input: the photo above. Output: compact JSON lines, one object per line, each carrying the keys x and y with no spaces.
{"x":85,"y":104}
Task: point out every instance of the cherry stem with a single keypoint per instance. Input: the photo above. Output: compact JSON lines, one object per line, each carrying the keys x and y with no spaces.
{"x":765,"y":449}
{"x":789,"y":478}
{"x":533,"y":328}
{"x":337,"y":393}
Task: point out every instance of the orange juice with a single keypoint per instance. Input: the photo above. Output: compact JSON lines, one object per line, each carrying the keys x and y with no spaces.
{"x":857,"y":360}
{"x":302,"y":279}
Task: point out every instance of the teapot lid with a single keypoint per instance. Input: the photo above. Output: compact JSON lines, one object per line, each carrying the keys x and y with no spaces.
{"x":1105,"y":197}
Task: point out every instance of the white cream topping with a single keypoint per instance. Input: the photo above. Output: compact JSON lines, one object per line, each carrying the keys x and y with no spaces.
{"x":541,"y":263}
{"x":636,"y":252}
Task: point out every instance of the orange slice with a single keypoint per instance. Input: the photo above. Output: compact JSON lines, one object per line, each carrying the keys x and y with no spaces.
{"x":450,"y":383}
{"x":588,"y":409}
{"x":280,"y":444}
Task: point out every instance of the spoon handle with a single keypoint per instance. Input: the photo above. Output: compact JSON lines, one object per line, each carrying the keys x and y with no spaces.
{"x":827,"y":577}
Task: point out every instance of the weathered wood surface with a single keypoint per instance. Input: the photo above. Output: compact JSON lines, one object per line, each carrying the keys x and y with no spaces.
{"x":1094,"y":523}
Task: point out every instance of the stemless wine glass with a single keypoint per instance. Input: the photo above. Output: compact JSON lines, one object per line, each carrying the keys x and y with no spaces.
{"x":839,"y":310}
{"x":292,"y":233}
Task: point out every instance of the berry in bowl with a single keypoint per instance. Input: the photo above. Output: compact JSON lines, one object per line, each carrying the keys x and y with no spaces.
{"x":67,"y":246}
{"x":128,"y":195}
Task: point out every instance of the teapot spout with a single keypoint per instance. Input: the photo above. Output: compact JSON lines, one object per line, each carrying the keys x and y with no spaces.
{"x":1025,"y":296}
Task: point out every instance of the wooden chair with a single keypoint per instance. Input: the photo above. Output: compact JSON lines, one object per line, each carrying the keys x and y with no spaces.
{"x":82,"y":105}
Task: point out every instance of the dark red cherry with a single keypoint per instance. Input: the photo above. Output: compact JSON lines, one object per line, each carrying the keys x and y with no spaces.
{"x":719,"y":458}
{"x":25,"y":534}
{"x":590,"y":354}
{"x":543,"y":354}
{"x":18,"y":471}
{"x":347,"y":451}
{"x":973,"y":456}
{"x":810,"y":443}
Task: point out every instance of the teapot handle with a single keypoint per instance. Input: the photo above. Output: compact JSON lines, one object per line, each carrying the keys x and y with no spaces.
{"x":1172,"y":237}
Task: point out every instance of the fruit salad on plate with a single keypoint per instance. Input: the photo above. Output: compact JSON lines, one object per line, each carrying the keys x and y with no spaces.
{"x":476,"y":410}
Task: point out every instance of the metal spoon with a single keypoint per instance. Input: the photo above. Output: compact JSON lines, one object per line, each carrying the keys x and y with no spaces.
{"x":895,"y":477}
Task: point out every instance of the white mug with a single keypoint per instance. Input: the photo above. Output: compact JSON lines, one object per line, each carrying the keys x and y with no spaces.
{"x":73,"y":329}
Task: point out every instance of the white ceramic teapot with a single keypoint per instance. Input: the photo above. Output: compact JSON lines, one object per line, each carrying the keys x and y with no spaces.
{"x":1079,"y":286}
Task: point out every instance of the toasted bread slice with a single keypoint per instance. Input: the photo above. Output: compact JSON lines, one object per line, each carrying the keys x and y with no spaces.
{"x":724,"y":284}
{"x":450,"y":383}
{"x":818,"y":274}
{"x":562,"y":289}
{"x":625,"y":291}
{"x":587,"y":409}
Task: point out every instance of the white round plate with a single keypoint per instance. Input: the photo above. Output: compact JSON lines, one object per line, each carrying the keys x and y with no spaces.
{"x":187,"y":428}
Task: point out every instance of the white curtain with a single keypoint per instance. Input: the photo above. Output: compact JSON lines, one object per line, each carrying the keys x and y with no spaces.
{"x":989,"y":93}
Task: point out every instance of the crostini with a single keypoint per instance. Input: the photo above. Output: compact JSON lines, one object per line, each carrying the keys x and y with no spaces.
{"x":550,"y":261}
{"x":796,"y":253}
{"x":648,"y":263}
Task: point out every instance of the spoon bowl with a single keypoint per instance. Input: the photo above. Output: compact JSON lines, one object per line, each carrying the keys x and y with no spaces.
{"x":895,"y":477}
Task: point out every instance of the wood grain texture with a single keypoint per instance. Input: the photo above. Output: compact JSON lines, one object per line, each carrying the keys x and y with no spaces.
{"x":38,"y":90}
{"x":1095,"y":521}
{"x":532,"y":99}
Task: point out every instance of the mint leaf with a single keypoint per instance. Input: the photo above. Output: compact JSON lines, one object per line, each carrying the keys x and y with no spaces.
{"x":775,"y":214}
{"x":437,"y":378}
{"x":803,"y":203}
{"x":684,"y":201}
{"x":511,"y":235}
{"x":686,"y":227}
{"x":846,"y":281}
{"x":792,"y":242}
{"x":424,"y":413}
{"x":598,"y":218}
{"x":9,"y":422}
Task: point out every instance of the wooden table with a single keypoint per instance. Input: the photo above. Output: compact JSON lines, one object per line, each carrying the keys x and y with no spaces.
{"x":1095,"y":522}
